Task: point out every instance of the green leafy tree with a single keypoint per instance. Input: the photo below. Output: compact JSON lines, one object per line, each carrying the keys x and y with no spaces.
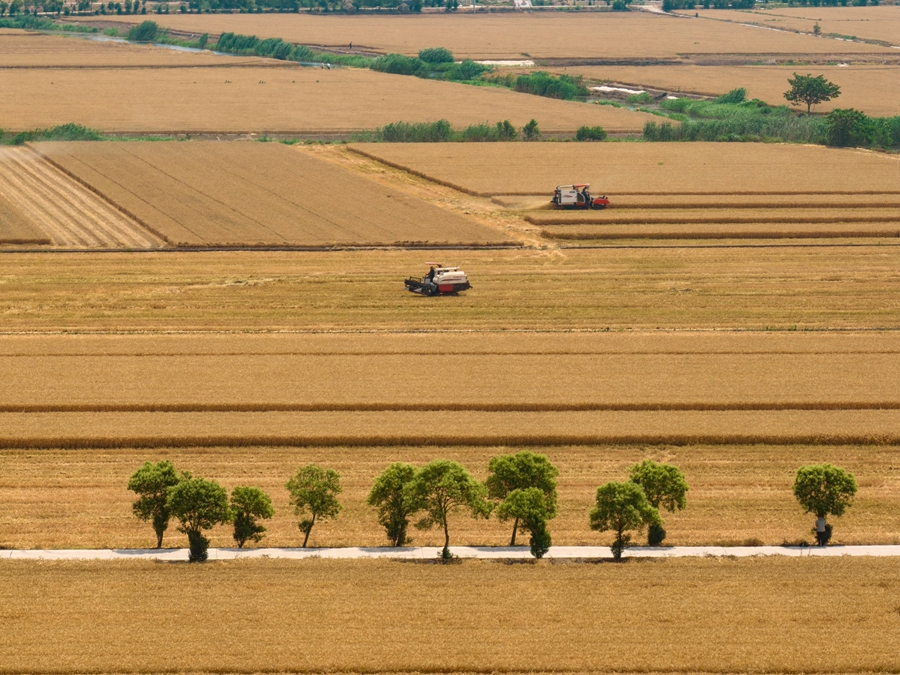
{"x":249,"y":505}
{"x":530,"y":131}
{"x":390,"y":495}
{"x":848,"y":128}
{"x":824,"y":489}
{"x":152,"y":482}
{"x":198,"y":504}
{"x":314,"y":492}
{"x":146,"y":31}
{"x":442,"y":487}
{"x":507,"y":473}
{"x":665,"y":487}
{"x":531,"y":509}
{"x":811,"y":90}
{"x":621,"y":507}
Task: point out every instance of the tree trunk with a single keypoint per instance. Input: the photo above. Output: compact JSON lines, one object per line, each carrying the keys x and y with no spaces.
{"x":512,"y":542}
{"x":159,"y":536}
{"x":446,"y":536}
{"x":309,"y":529}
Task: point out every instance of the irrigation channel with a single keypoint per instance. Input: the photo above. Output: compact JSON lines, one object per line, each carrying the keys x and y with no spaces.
{"x":431,"y":552}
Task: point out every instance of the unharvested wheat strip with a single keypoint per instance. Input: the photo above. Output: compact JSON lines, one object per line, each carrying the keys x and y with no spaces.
{"x":86,"y":209}
{"x":31,"y":199}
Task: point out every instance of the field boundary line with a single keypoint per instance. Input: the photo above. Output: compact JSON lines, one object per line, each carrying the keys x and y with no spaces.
{"x":612,"y":236}
{"x":551,"y":221}
{"x":442,"y":407}
{"x":413,"y":172}
{"x":102,"y":196}
{"x":550,"y":440}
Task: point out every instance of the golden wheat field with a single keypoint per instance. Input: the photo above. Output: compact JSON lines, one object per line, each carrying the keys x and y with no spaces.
{"x":868,"y":88}
{"x":275,"y":100}
{"x":208,"y":193}
{"x":29,"y":50}
{"x":867,"y":23}
{"x":15,"y":229}
{"x":377,"y":616}
{"x":738,"y":494}
{"x":513,"y":36}
{"x":668,"y":288}
{"x":646,"y":168}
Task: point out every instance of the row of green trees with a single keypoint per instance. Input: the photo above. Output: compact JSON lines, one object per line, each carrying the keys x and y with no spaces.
{"x":520,"y":488}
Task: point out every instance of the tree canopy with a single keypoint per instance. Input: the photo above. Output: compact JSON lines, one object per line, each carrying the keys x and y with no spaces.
{"x":824,"y":489}
{"x":198,"y":504}
{"x":314,"y":492}
{"x":442,"y":487}
{"x":811,"y":90}
{"x":249,"y":505}
{"x":530,"y":508}
{"x":391,"y":496}
{"x":151,"y":482}
{"x":621,"y":507}
{"x":665,"y":487}
{"x":507,"y":473}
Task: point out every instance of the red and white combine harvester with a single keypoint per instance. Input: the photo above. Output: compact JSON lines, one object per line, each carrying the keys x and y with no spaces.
{"x":440,"y":280}
{"x":578,"y":196}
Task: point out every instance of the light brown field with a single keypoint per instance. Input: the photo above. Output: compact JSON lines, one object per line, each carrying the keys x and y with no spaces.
{"x":63,"y":211}
{"x":15,"y":228}
{"x":864,"y":87}
{"x":588,"y":235}
{"x":671,"y":288}
{"x":209,"y":193}
{"x":379,"y":616}
{"x":78,"y":498}
{"x":275,"y":100}
{"x":514,"y":36}
{"x":21,"y":49}
{"x":646,"y":168}
{"x":868,"y":23}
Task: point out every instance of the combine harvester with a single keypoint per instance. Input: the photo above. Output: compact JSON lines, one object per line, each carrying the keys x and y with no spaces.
{"x":440,"y":280}
{"x":578,"y":196}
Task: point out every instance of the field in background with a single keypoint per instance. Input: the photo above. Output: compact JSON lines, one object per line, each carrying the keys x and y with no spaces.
{"x":864,"y":87}
{"x":287,"y":100}
{"x":203,"y":194}
{"x":635,"y":35}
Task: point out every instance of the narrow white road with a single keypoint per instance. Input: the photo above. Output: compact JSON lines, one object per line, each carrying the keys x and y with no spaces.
{"x":428,"y":552}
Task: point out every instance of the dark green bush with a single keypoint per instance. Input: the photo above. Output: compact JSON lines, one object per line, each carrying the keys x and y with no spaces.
{"x":398,"y":64}
{"x":542,"y":83}
{"x":425,"y":132}
{"x":436,"y":55}
{"x":590,"y":134}
{"x":531,"y":132}
{"x":467,"y":70}
{"x":145,"y":31}
{"x":848,"y":128}
{"x":738,"y":95}
{"x":63,"y":132}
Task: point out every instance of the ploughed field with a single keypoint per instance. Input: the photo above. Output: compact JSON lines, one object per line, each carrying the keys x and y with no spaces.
{"x":214,"y":194}
{"x":737,"y":412}
{"x":674,"y":190}
{"x":870,"y":88}
{"x":635,"y":35}
{"x":285,"y":100}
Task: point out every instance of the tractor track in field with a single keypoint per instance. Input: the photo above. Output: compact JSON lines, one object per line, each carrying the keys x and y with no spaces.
{"x":71,"y":216}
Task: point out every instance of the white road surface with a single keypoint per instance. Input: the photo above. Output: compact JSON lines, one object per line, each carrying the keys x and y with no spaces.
{"x":430,"y":552}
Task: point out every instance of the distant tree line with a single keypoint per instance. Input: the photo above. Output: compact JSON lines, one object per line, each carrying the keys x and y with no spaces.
{"x":520,"y":489}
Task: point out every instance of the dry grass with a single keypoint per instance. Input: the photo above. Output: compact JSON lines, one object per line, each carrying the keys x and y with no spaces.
{"x":287,"y":100}
{"x":598,"y":289}
{"x":864,"y":87}
{"x":759,"y":615}
{"x":868,"y":23}
{"x":514,"y":36}
{"x":647,"y":168}
{"x":208,"y":193}
{"x":76,"y":498}
{"x":15,"y":229}
{"x":20,"y":49}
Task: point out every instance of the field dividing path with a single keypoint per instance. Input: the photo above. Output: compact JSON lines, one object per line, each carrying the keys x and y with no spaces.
{"x":432,"y":552}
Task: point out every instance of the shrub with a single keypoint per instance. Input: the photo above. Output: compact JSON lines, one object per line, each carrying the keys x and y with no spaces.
{"x":590,"y":134}
{"x":145,"y":31}
{"x":738,"y":95}
{"x":848,"y":127}
{"x":424,"y":132}
{"x":436,"y":55}
{"x":530,"y":131}
{"x":63,"y":132}
{"x":643,"y":97}
{"x":398,"y":64}
{"x":542,"y":83}
{"x":467,"y":70}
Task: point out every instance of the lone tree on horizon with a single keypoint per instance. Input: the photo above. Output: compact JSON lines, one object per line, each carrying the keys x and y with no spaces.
{"x":811,"y":90}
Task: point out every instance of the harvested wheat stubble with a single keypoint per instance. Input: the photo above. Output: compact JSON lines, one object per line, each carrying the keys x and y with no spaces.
{"x":19,"y":49}
{"x":515,"y":36}
{"x":63,"y":210}
{"x":867,"y":23}
{"x":868,"y":88}
{"x":488,"y":372}
{"x":209,"y":194}
{"x":737,"y":493}
{"x":735,"y":231}
{"x":445,"y":428}
{"x":720,"y":215}
{"x":276,"y":100}
{"x":15,"y":229}
{"x":646,"y":168}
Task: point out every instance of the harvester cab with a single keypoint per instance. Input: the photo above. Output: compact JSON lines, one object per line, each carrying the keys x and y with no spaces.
{"x":578,"y":196}
{"x":440,"y":280}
